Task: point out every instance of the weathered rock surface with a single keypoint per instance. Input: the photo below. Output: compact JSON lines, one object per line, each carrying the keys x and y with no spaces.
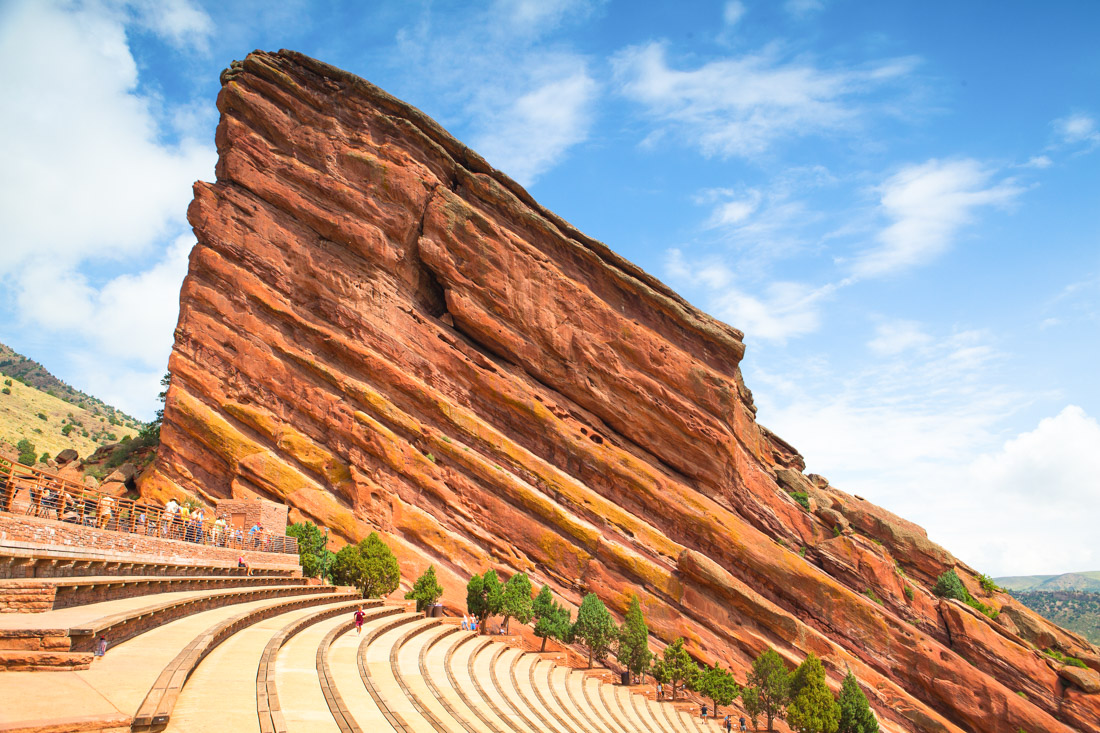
{"x":385,"y":333}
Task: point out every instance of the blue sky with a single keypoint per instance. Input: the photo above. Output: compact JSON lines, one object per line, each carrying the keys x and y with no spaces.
{"x":899,"y":203}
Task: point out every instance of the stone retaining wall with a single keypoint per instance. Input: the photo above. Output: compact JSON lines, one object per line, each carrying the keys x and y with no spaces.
{"x":29,"y":536}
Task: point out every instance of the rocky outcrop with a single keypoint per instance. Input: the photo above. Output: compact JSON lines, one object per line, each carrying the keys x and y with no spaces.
{"x":384,"y":332}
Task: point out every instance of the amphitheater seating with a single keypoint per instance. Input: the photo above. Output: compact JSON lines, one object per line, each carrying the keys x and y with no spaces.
{"x":272,"y":654}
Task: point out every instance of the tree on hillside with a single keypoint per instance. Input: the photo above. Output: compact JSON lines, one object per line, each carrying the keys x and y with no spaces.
{"x":750,"y":700}
{"x":717,"y":684}
{"x":369,"y":566}
{"x":515,"y":601}
{"x":594,"y":628}
{"x":426,"y":590}
{"x":949,"y":585}
{"x":679,"y":667}
{"x":27,"y":453}
{"x":633,"y":649}
{"x":552,"y":621}
{"x":812,"y":708}
{"x":769,"y":683}
{"x":311,"y":547}
{"x":484,"y":595}
{"x":855,"y":714}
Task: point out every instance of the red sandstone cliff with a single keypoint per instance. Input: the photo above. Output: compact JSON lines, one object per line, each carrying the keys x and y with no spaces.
{"x":384,"y":332}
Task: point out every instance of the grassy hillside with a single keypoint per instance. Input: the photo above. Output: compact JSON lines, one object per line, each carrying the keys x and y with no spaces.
{"x":1074,"y":610}
{"x":28,"y":371}
{"x":1086,"y":581}
{"x":28,"y":413}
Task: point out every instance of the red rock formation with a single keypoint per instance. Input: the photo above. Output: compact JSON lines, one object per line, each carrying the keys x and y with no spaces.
{"x":384,"y":332}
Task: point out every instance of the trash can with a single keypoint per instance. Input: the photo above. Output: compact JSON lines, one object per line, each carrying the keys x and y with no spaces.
{"x":437,"y":611}
{"x":626,"y":678}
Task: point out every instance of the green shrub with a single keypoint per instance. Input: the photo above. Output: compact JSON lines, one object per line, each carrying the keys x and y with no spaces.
{"x":44,"y":457}
{"x":1059,"y":657}
{"x":802,"y":498}
{"x":909,"y":592}
{"x":369,"y":566}
{"x":871,"y":594}
{"x":426,"y":590}
{"x":42,"y":416}
{"x":948,"y":585}
{"x":1022,"y":694}
{"x":67,"y":429}
{"x":27,"y":453}
{"x":987,"y":583}
{"x":7,"y":382}
{"x":6,"y":390}
{"x":430,"y":457}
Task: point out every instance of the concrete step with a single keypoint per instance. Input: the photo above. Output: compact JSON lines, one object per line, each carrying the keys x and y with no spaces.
{"x":522,"y":671}
{"x":439,"y":676}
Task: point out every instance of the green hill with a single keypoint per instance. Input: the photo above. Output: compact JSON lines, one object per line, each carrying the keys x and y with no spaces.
{"x":1074,"y":610}
{"x":36,"y":406}
{"x":1084,"y":581}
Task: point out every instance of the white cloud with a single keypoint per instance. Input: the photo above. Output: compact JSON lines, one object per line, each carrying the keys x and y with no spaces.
{"x":741,"y":106}
{"x":733,"y":12}
{"x":1038,"y":161}
{"x":928,"y":204}
{"x":523,"y":101}
{"x":786,"y":310}
{"x":803,"y":8}
{"x":527,"y":138}
{"x":91,"y":186}
{"x":1077,"y":129}
{"x":894,"y":337}
{"x":179,"y":21}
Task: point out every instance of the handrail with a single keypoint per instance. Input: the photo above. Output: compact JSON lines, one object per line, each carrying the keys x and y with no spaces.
{"x":69,"y":501}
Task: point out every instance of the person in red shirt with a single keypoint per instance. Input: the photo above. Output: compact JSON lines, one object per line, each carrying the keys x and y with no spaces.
{"x":359,"y":618}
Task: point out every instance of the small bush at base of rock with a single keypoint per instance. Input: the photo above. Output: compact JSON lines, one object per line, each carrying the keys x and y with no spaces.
{"x":948,"y":585}
{"x":871,"y":594}
{"x":909,"y":592}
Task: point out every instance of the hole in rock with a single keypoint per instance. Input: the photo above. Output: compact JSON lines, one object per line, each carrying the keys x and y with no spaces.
{"x":595,"y":438}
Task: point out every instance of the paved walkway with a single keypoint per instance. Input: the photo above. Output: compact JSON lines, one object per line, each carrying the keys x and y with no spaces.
{"x":229,"y":672}
{"x":303,"y":704}
{"x":83,"y":616}
{"x":116,"y":683}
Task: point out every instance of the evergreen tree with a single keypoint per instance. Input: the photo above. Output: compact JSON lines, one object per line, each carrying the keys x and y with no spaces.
{"x":750,"y":699}
{"x":484,"y":595}
{"x":812,"y":709}
{"x":381,"y":574}
{"x":771,"y":682}
{"x":369,"y":566}
{"x":515,"y":601}
{"x":27,"y":454}
{"x":855,"y":714}
{"x":594,"y":628}
{"x":553,"y":621}
{"x":634,"y":640}
{"x":660,"y":671}
{"x":719,"y":685}
{"x":311,"y":547}
{"x":808,"y":671}
{"x":426,"y":590}
{"x":681,"y":668}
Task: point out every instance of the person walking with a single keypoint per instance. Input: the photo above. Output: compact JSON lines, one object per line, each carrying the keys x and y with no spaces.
{"x":743,"y":728}
{"x":660,"y":690}
{"x":729,"y":724}
{"x":359,"y":618}
{"x":703,"y":712}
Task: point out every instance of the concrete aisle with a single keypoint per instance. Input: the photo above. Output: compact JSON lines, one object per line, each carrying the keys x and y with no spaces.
{"x":435,"y":664}
{"x":344,"y":665}
{"x":228,"y":672}
{"x":303,"y":703}
{"x":116,"y":683}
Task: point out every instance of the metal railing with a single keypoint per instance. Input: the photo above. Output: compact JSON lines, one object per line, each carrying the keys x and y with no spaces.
{"x":31,"y":492}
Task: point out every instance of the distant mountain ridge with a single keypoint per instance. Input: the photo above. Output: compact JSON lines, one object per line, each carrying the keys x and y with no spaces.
{"x":1082,"y":581}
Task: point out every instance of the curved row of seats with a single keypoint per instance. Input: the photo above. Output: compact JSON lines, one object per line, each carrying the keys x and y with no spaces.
{"x":275,"y":658}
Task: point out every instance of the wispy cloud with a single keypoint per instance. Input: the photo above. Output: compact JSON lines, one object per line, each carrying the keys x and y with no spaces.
{"x":1076,"y":130}
{"x":523,"y":100}
{"x":803,"y":8}
{"x":928,"y":204}
{"x":733,"y":12}
{"x":895,"y":337}
{"x":741,"y":106}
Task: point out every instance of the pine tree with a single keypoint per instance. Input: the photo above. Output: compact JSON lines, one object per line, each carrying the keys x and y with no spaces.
{"x":770,"y":680}
{"x":808,"y":671}
{"x":719,"y":685}
{"x":552,"y":620}
{"x":812,"y":709}
{"x":750,"y":700}
{"x":426,"y":590}
{"x":855,"y":714}
{"x":369,"y":566}
{"x":634,"y":640}
{"x":484,"y":595}
{"x":681,"y":668}
{"x":594,"y":628}
{"x":381,"y":573}
{"x":516,"y":600}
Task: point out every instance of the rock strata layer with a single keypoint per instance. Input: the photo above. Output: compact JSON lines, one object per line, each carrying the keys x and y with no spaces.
{"x":384,"y":332}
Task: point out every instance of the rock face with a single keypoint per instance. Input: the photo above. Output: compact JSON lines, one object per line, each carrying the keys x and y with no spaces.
{"x":384,"y":332}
